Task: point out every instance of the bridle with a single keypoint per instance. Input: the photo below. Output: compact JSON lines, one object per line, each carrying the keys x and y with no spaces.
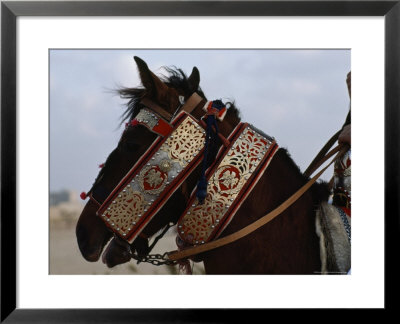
{"x":160,"y":122}
{"x":147,"y":174}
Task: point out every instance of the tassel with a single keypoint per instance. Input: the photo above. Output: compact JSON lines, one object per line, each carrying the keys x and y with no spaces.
{"x":132,"y":123}
{"x":83,"y":195}
{"x":213,"y":108}
{"x":201,"y":193}
{"x":101,"y":165}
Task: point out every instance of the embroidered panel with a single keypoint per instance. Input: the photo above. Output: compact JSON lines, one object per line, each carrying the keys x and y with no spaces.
{"x":229,"y":183}
{"x":185,"y":143}
{"x":148,"y":185}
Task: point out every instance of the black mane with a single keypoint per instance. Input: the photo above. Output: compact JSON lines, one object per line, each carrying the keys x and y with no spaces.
{"x":320,"y":188}
{"x":176,"y":79}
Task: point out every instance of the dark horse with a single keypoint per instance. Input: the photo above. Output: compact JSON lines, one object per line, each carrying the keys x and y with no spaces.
{"x":286,"y":245}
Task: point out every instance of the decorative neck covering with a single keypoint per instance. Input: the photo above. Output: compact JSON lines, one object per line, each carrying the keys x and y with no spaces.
{"x":228,"y":185}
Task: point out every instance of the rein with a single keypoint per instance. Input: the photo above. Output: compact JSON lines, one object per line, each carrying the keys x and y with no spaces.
{"x":316,"y":162}
{"x":178,"y":255}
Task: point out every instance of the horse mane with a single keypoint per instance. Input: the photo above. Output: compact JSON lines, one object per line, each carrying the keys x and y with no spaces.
{"x":176,"y":79}
{"x":292,"y":163}
{"x":320,"y":188}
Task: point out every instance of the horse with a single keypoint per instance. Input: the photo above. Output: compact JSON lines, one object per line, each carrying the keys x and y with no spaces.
{"x":286,"y":245}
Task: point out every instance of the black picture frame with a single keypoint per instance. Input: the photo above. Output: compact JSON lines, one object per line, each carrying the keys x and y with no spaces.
{"x":10,"y":10}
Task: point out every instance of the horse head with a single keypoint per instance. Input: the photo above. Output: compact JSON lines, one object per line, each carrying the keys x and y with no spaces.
{"x":91,"y":232}
{"x":267,"y":250}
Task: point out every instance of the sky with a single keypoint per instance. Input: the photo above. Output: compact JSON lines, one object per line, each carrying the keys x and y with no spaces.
{"x":297,"y":96}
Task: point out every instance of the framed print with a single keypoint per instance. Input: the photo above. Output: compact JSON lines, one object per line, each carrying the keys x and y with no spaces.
{"x":91,"y":45}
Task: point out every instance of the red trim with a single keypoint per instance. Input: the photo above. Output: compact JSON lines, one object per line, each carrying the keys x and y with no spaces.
{"x":221,"y":151}
{"x":246,"y":190}
{"x":162,"y":128}
{"x":133,"y":122}
{"x":220,"y":114}
{"x":163,"y":197}
{"x":347,"y":211}
{"x":211,"y":170}
{"x":243,"y":194}
{"x":144,"y":159}
{"x":160,"y":202}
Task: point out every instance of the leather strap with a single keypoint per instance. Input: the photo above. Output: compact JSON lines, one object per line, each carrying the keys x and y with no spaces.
{"x":312,"y":167}
{"x":192,"y":103}
{"x":177,"y":255}
{"x":326,"y":157}
{"x":156,"y":108}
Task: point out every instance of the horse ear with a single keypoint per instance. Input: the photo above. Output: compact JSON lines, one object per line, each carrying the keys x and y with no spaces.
{"x":194,"y":80}
{"x":150,"y":81}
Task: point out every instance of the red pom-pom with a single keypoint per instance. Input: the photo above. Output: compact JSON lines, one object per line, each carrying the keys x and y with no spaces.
{"x":134,"y":122}
{"x":101,"y":165}
{"x":83,"y":195}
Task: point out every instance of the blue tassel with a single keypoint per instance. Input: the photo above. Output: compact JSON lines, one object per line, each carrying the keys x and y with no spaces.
{"x":201,"y":193}
{"x":218,"y":104}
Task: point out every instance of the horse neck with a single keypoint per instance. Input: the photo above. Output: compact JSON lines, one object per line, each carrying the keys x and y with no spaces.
{"x":287,"y":244}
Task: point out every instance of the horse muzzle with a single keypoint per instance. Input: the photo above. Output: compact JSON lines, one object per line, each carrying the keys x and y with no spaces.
{"x":91,"y":233}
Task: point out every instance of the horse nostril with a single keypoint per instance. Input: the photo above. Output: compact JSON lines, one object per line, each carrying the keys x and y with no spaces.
{"x":91,"y":246}
{"x":91,"y":233}
{"x":90,"y":252}
{"x":115,"y":254}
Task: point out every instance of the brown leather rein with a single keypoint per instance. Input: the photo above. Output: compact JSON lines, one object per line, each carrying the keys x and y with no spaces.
{"x":178,"y":255}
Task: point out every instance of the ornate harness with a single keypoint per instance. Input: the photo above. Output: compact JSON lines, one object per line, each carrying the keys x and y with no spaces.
{"x":167,"y":163}
{"x":223,"y":187}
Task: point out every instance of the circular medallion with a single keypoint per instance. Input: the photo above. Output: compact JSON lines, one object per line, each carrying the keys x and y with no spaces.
{"x":165,"y":165}
{"x":153,"y":179}
{"x":227,"y":178}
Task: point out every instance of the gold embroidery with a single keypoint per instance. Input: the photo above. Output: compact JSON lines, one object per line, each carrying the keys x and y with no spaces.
{"x":152,"y":180}
{"x":185,"y":142}
{"x":146,"y":186}
{"x":201,"y":221}
{"x":228,"y":179}
{"x":165,"y":165}
{"x":126,"y":210}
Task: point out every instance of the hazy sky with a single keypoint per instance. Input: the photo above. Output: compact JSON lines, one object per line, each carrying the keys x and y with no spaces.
{"x":297,"y":96}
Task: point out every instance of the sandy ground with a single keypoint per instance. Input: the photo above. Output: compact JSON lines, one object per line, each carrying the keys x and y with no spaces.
{"x":66,"y":259}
